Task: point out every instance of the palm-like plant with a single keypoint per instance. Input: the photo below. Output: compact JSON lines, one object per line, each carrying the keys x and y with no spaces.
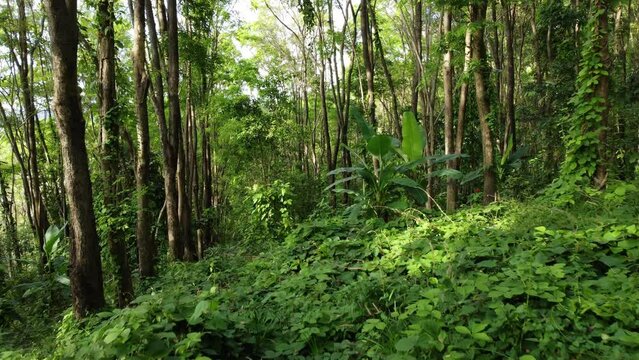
{"x":385,"y":184}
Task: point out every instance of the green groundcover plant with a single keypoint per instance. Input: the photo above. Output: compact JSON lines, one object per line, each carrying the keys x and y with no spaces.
{"x":508,"y":281}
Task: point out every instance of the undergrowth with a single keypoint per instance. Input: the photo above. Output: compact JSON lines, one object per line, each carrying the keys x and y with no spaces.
{"x":511,"y":280}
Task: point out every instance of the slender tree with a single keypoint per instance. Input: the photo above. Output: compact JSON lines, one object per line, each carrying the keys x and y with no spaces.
{"x":175,"y":134}
{"x":449,"y":142}
{"x":510,"y":134}
{"x":111,"y":147}
{"x":146,"y":246}
{"x":367,"y":53}
{"x":478,"y":15}
{"x":602,"y":89}
{"x":168,"y":138}
{"x":85,"y":265}
{"x":40,"y":218}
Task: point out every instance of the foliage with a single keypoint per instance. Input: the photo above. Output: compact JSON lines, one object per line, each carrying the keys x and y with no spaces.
{"x":511,"y":280}
{"x":387,"y":183}
{"x":271,"y":206}
{"x":582,"y":141}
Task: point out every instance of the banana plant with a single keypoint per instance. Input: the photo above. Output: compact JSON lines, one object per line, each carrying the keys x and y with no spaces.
{"x":389,"y":186}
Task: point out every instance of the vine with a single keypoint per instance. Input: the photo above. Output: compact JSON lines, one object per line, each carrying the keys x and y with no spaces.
{"x":586,"y":119}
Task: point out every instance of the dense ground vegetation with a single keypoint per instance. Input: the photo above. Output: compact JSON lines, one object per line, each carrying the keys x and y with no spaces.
{"x":325,"y":179}
{"x":511,"y":280}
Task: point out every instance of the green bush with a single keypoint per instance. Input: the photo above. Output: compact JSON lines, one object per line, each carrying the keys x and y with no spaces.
{"x":511,"y":280}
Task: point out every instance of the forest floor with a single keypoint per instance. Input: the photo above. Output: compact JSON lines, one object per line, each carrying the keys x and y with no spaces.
{"x":510,"y":280}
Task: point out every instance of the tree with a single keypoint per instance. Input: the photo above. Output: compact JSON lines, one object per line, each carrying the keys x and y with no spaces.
{"x":111,"y":147}
{"x":176,"y":143}
{"x":369,"y":67}
{"x":40,"y":218}
{"x":477,"y":16}
{"x":449,"y":143}
{"x":85,"y":264}
{"x":168,"y":137}
{"x":510,"y":133}
{"x":602,"y":89}
{"x":146,"y":246}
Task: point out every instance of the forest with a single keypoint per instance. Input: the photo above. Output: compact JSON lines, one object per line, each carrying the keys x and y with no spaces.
{"x":319,"y":179}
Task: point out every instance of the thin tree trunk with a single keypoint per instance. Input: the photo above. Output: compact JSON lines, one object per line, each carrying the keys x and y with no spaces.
{"x":367,"y":53}
{"x":478,"y":15}
{"x":41,"y":220}
{"x":145,"y":243}
{"x":461,"y":111}
{"x":449,"y":142}
{"x":510,"y":134}
{"x":10,"y":226}
{"x":389,"y":77}
{"x":602,"y":90}
{"x":169,"y":155}
{"x":175,"y":135}
{"x":417,"y":58}
{"x":111,"y":148}
{"x":85,"y":265}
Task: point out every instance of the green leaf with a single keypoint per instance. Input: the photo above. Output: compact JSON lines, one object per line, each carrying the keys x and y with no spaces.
{"x":365,"y":127}
{"x":405,"y":182}
{"x":478,"y":327}
{"x":341,"y":181}
{"x":462,"y":330}
{"x":626,"y":337}
{"x":527,"y":357}
{"x":52,"y":239}
{"x":344,"y":170}
{"x":414,"y":139}
{"x":468,"y":177}
{"x":199,"y":310}
{"x":63,"y":280}
{"x":482,"y":337}
{"x":112,"y":334}
{"x":380,"y":145}
{"x":406,"y":344}
{"x":447,"y":173}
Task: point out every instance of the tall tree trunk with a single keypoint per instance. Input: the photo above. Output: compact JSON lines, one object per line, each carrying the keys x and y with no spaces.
{"x":461,"y":111}
{"x":9,"y":225}
{"x":367,"y":52}
{"x":145,"y":243}
{"x":417,"y":55}
{"x":41,"y":220}
{"x":389,"y":77}
{"x":175,"y":134}
{"x":111,"y":148}
{"x":85,"y":265}
{"x":496,"y":52}
{"x":478,"y":15}
{"x":509,"y":31}
{"x":602,"y":89}
{"x":169,"y":154}
{"x":449,"y":142}
{"x":205,"y":238}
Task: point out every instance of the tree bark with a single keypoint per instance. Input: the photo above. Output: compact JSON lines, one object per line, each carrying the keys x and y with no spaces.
{"x":417,"y":58}
{"x":602,"y":90}
{"x":175,"y":134}
{"x":449,"y":142}
{"x":10,"y":225}
{"x":169,"y":155}
{"x":111,"y":148}
{"x":145,"y":243}
{"x":85,"y":265}
{"x":389,"y":77}
{"x":478,"y":15}
{"x":40,"y":218}
{"x":461,"y":111}
{"x":367,"y":53}
{"x":510,"y":133}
